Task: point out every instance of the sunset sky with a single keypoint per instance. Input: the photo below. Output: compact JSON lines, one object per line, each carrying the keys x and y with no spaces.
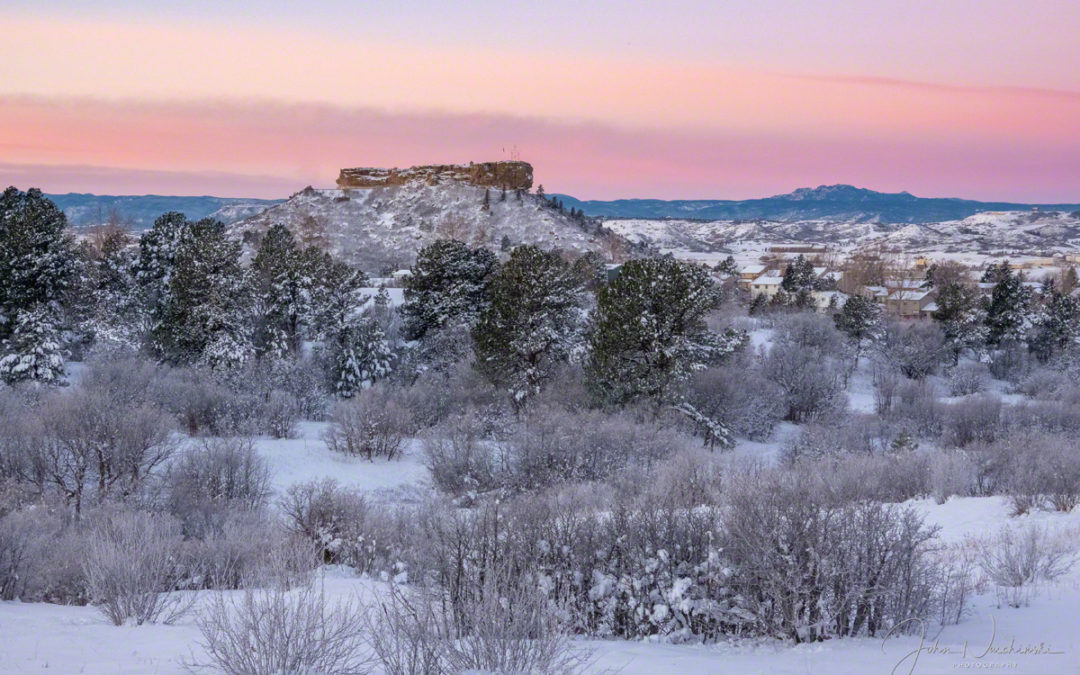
{"x":675,"y":99}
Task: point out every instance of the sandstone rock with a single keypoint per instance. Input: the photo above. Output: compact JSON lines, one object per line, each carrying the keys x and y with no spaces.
{"x":512,"y":175}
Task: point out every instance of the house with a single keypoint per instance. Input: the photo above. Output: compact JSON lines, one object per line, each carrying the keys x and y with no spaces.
{"x":825,"y":300}
{"x":908,"y":304}
{"x":767,"y":285}
{"x":749,"y":273}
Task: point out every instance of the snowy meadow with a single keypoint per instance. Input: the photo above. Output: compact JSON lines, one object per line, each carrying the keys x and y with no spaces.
{"x":242,"y":454}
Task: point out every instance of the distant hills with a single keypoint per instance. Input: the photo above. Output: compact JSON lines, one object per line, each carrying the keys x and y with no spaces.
{"x":827,"y":202}
{"x":139,"y":211}
{"x":839,"y":203}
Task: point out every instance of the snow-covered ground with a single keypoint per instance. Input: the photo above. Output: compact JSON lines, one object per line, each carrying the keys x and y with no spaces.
{"x":52,"y":638}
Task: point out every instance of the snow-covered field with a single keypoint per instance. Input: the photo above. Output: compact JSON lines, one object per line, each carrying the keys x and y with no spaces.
{"x":37,"y":637}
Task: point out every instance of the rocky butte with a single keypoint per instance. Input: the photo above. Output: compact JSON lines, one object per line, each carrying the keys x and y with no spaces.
{"x":512,"y":175}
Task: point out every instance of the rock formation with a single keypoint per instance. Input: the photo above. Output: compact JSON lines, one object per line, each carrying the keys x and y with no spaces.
{"x":513,"y":175}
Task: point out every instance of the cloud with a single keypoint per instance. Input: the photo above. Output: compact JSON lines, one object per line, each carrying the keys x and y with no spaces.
{"x":271,"y":149}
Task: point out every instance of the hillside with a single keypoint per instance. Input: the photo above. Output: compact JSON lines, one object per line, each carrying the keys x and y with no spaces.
{"x":140,"y":210}
{"x":383,"y":227}
{"x":1005,"y":231}
{"x":826,"y":202}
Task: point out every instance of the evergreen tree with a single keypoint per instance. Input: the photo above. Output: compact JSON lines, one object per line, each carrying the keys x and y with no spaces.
{"x":1069,"y":281}
{"x":448,"y":282}
{"x":531,"y":323}
{"x":728,"y":267}
{"x":37,"y":258}
{"x":860,"y":320}
{"x":648,"y":332}
{"x":1007,"y":313}
{"x":116,"y":314}
{"x":158,"y":251}
{"x":961,"y":317}
{"x":283,"y":285}
{"x":1056,"y":326}
{"x":360,"y":356}
{"x":799,"y":276}
{"x":205,"y":313}
{"x":32,"y":350}
{"x":38,"y":268}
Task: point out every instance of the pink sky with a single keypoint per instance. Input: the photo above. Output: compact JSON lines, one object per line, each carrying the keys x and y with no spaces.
{"x":642,"y":105}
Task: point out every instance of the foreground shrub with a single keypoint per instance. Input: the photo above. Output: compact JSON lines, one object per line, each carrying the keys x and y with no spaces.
{"x":369,"y":425}
{"x":131,"y":568}
{"x":1015,"y":559}
{"x":272,"y":631}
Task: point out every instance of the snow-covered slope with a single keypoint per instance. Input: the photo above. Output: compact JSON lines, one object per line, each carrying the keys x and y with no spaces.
{"x":377,"y":228}
{"x":1005,"y":231}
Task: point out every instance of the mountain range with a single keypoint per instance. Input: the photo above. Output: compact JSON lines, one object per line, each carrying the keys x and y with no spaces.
{"x":843,"y":203}
{"x":139,"y":211}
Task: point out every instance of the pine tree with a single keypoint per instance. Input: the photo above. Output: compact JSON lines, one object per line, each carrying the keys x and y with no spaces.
{"x":799,"y":276}
{"x":448,"y":282}
{"x":728,"y":267}
{"x":37,"y":258}
{"x":32,"y":351}
{"x":531,"y":324}
{"x":360,"y":356}
{"x":860,"y":320}
{"x":1057,"y":326}
{"x":648,"y":332}
{"x":961,"y":318}
{"x":206,"y":310}
{"x":284,"y":290}
{"x":158,"y":250}
{"x":1007,"y":314}
{"x":117,"y":314}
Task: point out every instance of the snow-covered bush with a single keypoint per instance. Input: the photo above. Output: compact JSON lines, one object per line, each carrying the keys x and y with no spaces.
{"x":132,"y":568}
{"x":212,"y":480}
{"x":371,"y":425}
{"x":916,"y":349}
{"x":976,"y":419}
{"x":748,"y":403}
{"x":811,"y":381}
{"x":461,"y":458}
{"x":270,"y":631}
{"x":334,"y":519}
{"x":952,"y":473}
{"x":968,"y":378}
{"x":1017,"y":558}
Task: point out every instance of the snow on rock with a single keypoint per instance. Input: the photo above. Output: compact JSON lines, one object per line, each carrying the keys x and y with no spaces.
{"x":379,"y":228}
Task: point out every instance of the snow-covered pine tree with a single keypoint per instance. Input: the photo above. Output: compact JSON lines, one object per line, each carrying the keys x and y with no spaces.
{"x":531,"y":324}
{"x":1008,"y":312}
{"x":648,"y":332}
{"x":206,"y":315}
{"x":283,"y":291}
{"x":32,"y":351}
{"x":961,"y":317}
{"x":448,"y":282}
{"x":860,"y":320}
{"x":728,"y":267}
{"x":798,"y":277}
{"x":360,"y":357}
{"x":37,"y":258}
{"x":1056,"y":326}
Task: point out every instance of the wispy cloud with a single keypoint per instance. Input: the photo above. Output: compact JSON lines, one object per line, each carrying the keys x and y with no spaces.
{"x":268,"y":149}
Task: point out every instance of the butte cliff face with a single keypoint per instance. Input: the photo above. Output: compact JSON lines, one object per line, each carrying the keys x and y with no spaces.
{"x":379,"y":218}
{"x":512,"y":175}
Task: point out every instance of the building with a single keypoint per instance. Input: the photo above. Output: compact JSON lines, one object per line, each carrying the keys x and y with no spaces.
{"x":825,"y":300}
{"x":908,"y":304}
{"x":767,"y":285}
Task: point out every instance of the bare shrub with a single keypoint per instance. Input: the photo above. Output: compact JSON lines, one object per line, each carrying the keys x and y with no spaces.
{"x":271,"y":631}
{"x":916,"y":348}
{"x":951,"y":473}
{"x":812,"y":382}
{"x":131,"y":568}
{"x":369,"y":425}
{"x":461,"y":459}
{"x":27,"y":537}
{"x":211,"y":480}
{"x":972,"y":420}
{"x":333,"y":518}
{"x":511,"y":628}
{"x":968,"y":378}
{"x":741,"y":398}
{"x":1015,"y":559}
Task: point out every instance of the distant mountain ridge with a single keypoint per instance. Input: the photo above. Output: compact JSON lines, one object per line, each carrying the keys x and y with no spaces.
{"x":826,"y":202}
{"x":140,"y":211}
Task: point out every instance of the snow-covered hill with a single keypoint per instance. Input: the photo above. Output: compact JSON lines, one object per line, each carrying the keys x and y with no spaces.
{"x":379,"y":228}
{"x":1030,"y":232}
